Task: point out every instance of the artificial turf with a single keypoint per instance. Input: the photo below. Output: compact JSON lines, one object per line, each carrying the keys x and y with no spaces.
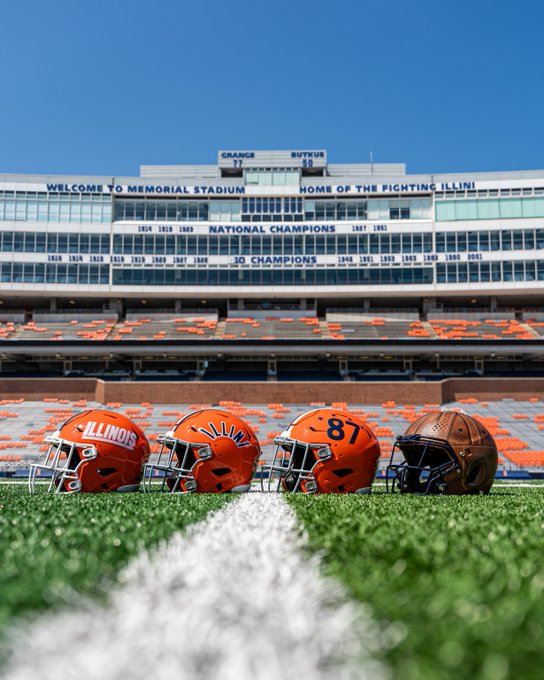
{"x":52,"y":547}
{"x":457,"y":582}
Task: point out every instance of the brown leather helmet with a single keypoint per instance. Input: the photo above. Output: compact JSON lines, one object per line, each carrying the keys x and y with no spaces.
{"x":445,"y":452}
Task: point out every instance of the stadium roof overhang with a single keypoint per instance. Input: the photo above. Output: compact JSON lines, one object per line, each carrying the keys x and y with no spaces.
{"x":531,"y":349}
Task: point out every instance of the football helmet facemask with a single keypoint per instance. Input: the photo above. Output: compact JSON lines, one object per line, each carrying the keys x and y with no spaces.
{"x":94,"y":451}
{"x":446,"y":452}
{"x":325,"y":450}
{"x":206,"y":451}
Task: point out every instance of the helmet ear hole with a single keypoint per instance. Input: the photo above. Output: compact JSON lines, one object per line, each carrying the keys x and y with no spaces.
{"x":475,"y":473}
{"x":220,"y":472}
{"x":105,"y":472}
{"x":344,"y":472}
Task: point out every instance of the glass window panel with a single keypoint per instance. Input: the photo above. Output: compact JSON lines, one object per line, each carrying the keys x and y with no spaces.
{"x":488,"y":209}
{"x":510,"y":207}
{"x":484,"y":240}
{"x":18,"y":242}
{"x":445,"y":211}
{"x":530,"y":270}
{"x":518,"y":240}
{"x":494,"y":240}
{"x":462,"y":272}
{"x":466,"y":210}
{"x":417,"y":243}
{"x":529,"y":239}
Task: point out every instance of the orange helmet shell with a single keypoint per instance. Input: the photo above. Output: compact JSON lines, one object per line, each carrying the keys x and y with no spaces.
{"x":95,"y":451}
{"x":341,"y":453}
{"x":210,"y":451}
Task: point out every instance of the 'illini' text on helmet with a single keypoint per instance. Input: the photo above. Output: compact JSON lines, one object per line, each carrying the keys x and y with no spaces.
{"x":207,"y":451}
{"x":325,"y":450}
{"x":446,"y":452}
{"x":94,"y":451}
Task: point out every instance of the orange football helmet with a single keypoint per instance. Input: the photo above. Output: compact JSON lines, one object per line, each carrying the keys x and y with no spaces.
{"x":207,"y":451}
{"x":445,"y":452}
{"x":324,"y":451}
{"x":94,"y":451}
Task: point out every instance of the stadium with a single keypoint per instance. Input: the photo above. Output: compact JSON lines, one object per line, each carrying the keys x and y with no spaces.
{"x":266,"y":285}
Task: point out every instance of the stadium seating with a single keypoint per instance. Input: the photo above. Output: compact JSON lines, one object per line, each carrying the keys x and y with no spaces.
{"x":208,"y":325}
{"x":485,"y":329}
{"x":378,"y":328}
{"x":517,"y":426}
{"x":273,"y":328}
{"x":161,"y":328}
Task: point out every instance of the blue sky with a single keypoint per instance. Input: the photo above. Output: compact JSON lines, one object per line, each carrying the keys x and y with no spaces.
{"x":101,"y":87}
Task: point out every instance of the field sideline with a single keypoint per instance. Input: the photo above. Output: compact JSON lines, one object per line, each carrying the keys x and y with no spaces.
{"x":454,"y":586}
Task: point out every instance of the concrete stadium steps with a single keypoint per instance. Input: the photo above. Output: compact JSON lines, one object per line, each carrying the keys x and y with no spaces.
{"x":517,"y":426}
{"x":536,"y":327}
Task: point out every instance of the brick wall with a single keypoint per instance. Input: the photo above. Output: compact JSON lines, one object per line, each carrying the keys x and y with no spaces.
{"x":489,"y":389}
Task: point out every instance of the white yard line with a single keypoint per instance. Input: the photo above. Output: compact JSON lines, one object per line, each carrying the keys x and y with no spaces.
{"x":233,"y":598}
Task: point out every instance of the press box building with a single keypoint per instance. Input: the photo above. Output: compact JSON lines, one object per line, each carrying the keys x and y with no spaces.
{"x":272,"y":225}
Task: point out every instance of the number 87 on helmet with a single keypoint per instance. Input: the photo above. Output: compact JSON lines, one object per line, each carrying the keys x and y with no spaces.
{"x":325,"y":450}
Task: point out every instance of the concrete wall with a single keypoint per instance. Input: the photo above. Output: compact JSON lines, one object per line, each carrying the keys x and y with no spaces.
{"x":484,"y":389}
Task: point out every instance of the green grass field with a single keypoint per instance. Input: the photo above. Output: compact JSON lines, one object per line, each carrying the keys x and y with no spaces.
{"x":460,"y":578}
{"x":54,"y":546}
{"x":457,"y":583}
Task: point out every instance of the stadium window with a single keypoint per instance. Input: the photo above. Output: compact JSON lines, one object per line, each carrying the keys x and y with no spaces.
{"x":483,"y":240}
{"x":395,"y":243}
{"x":118,"y":243}
{"x":518,"y":240}
{"x":385,"y":243}
{"x":18,"y":242}
{"x":462,"y":241}
{"x":406,"y":243}
{"x":30,"y":242}
{"x":40,"y":242}
{"x":530,"y":270}
{"x":51,"y":243}
{"x":519,"y":271}
{"x":417,"y":243}
{"x":485,"y":272}
{"x":494,"y":240}
{"x":427,"y":243}
{"x":528,"y":239}
{"x":138,"y":244}
{"x":6,"y":272}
